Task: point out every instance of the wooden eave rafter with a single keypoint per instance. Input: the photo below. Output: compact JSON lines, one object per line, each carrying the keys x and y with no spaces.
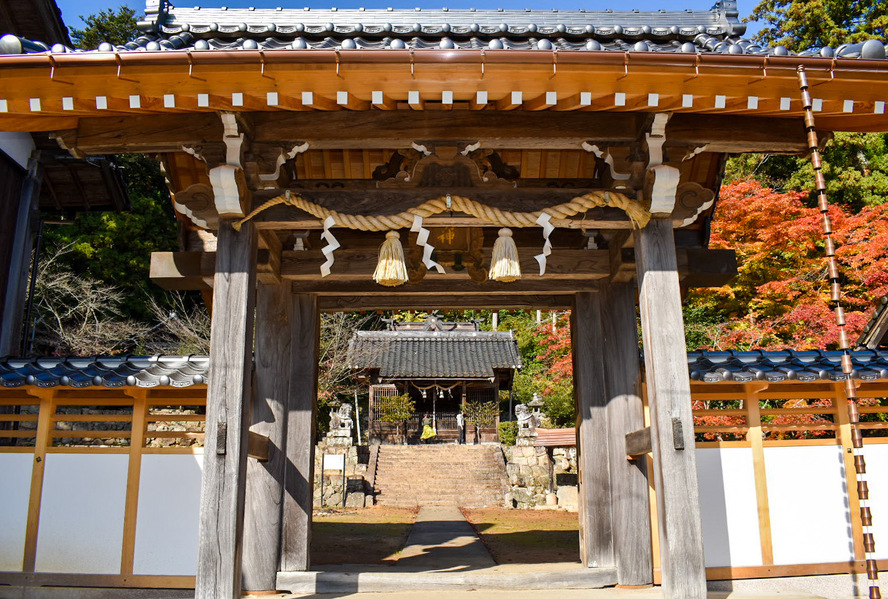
{"x":68,"y":86}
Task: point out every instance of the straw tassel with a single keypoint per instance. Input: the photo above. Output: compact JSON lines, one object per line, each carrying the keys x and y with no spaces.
{"x":505,"y":267}
{"x":391,"y":270}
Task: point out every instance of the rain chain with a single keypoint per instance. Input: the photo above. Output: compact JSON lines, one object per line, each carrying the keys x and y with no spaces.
{"x":835,"y":299}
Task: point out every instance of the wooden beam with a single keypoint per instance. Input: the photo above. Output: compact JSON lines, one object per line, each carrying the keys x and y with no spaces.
{"x":257,"y":446}
{"x":301,"y":410}
{"x":567,"y":270}
{"x":697,"y":267}
{"x":265,"y":480}
{"x":399,"y":129}
{"x":638,"y":443}
{"x":630,"y":509}
{"x":357,"y":303}
{"x":672,"y":423}
{"x":735,"y":133}
{"x":228,"y":395}
{"x":562,"y":264}
{"x":587,"y":337}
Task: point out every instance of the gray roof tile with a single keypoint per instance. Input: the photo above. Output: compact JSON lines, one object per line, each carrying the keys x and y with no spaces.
{"x":717,"y":30}
{"x":420,"y":354}
{"x":132,"y":371}
{"x":786,"y":365}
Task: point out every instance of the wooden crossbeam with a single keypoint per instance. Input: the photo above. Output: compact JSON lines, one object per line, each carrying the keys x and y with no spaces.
{"x":358,"y":303}
{"x":257,"y":446}
{"x":567,"y":271}
{"x":377,"y":129}
{"x":638,"y":443}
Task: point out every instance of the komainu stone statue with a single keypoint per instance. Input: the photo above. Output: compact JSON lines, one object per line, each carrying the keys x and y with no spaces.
{"x":341,"y":423}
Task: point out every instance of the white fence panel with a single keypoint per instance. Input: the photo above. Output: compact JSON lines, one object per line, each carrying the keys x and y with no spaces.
{"x":810,"y":518}
{"x":877,"y":478}
{"x":15,"y":490}
{"x":728,"y":507}
{"x":81,"y":513}
{"x":169,"y":510}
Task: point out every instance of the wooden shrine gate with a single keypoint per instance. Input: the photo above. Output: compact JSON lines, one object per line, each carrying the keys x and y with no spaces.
{"x":288,"y":166}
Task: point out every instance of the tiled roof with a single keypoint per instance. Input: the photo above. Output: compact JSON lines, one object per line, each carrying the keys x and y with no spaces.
{"x":717,"y":30}
{"x":435,"y":355}
{"x":128,"y":371}
{"x":788,"y":365}
{"x":429,"y":355}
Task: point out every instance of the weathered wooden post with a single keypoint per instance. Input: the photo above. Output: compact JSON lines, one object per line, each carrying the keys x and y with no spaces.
{"x":227,"y":420}
{"x":596,"y":534}
{"x":672,"y":425}
{"x":265,"y":480}
{"x":19,"y":240}
{"x":301,"y":410}
{"x":625,"y":413}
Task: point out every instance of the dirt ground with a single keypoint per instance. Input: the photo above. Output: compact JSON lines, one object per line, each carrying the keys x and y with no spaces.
{"x":376,"y":534}
{"x":527,"y":536}
{"x":371,"y":535}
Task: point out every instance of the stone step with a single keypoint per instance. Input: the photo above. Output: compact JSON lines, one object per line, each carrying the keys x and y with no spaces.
{"x":465,"y":475}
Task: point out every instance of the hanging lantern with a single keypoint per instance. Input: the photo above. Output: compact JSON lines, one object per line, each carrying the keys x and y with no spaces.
{"x":504,"y":265}
{"x":391,"y":270}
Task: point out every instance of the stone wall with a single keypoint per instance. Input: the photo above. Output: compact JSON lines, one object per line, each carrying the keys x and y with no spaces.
{"x":528,"y":471}
{"x":355,"y":475}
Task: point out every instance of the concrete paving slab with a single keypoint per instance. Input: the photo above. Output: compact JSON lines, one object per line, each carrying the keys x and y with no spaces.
{"x":441,"y":540}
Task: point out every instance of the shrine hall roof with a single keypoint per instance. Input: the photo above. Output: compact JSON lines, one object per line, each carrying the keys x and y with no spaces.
{"x":433,"y":354}
{"x":717,"y":30}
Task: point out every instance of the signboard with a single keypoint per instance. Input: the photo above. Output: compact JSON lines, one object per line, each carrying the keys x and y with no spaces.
{"x":334,"y":461}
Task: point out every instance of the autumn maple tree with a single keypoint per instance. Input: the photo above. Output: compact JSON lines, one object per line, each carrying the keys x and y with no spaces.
{"x":779,"y":298}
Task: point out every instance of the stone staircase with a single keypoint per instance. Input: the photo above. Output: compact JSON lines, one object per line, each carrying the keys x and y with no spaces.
{"x":463,"y":475}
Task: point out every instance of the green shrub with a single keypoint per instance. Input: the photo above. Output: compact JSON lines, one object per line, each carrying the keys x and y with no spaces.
{"x":508,"y":432}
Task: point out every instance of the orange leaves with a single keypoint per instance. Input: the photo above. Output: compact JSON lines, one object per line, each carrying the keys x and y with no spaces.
{"x":779,"y":298}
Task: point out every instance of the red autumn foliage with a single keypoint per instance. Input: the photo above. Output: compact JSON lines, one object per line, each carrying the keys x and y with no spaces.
{"x":779,"y":298}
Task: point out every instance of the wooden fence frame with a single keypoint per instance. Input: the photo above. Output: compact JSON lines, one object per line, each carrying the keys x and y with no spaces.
{"x":141,"y":400}
{"x":751,"y":394}
{"x":49,"y":399}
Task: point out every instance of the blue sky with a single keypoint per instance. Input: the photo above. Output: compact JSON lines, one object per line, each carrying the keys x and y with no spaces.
{"x":72,"y":9}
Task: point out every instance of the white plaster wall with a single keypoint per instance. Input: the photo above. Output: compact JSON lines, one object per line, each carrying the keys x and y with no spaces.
{"x":169,"y":508}
{"x":17,"y":146}
{"x":15,"y":491}
{"x":876,"y":456}
{"x":81,"y":513}
{"x":728,"y":507}
{"x":810,"y":519}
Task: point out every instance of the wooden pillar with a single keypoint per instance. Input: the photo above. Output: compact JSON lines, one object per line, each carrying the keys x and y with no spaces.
{"x":228,"y":396}
{"x":13,"y":296}
{"x":265,"y":480}
{"x":625,"y":413}
{"x":672,"y":425}
{"x":596,"y":536}
{"x":301,"y":410}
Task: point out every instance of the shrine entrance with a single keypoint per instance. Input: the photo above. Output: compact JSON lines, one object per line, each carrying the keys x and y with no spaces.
{"x":391,"y":160}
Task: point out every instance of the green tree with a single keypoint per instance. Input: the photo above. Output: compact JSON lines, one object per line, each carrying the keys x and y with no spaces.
{"x":113,"y":26}
{"x":396,"y":410}
{"x":803,"y":24}
{"x":115,"y":247}
{"x":855,"y":164}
